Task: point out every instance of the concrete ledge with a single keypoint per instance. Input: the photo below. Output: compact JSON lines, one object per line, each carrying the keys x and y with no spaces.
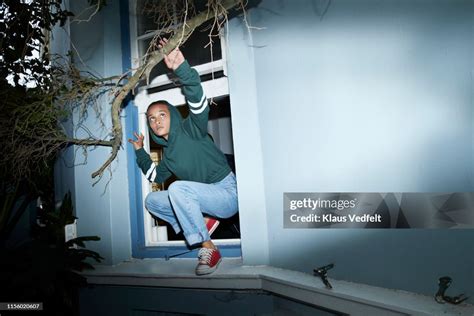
{"x":345,"y":297}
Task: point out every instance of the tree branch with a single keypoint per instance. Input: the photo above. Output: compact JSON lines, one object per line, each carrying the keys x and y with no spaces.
{"x":89,"y":142}
{"x":178,"y":39}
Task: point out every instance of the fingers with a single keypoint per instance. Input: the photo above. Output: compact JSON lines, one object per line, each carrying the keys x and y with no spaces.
{"x":137,"y":144}
{"x":140,"y":137}
{"x":163,"y":42}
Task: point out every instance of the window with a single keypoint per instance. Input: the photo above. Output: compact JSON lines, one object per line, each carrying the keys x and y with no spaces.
{"x":207,"y":59}
{"x":211,"y":67}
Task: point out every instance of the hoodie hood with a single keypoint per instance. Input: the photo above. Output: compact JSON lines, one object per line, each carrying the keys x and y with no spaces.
{"x":175,"y":121}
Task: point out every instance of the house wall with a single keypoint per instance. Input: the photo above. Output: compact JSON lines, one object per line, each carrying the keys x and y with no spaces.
{"x":102,"y":209}
{"x":143,"y":301}
{"x":63,"y":170}
{"x":372,"y":96}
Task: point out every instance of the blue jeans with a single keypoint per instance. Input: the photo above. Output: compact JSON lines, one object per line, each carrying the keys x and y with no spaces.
{"x":189,"y":200}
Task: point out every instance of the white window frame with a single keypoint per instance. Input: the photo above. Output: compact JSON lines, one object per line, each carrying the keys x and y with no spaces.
{"x":212,"y":89}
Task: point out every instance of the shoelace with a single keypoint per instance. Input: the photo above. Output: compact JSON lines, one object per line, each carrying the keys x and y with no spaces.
{"x":205,"y":255}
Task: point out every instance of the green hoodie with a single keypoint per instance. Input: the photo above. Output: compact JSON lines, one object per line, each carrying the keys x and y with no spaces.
{"x":189,"y":153}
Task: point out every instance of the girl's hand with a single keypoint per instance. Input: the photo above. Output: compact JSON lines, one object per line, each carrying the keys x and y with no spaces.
{"x":174,"y":59}
{"x":137,"y":144}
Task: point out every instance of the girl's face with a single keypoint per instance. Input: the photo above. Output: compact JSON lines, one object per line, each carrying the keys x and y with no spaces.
{"x":159,"y":119}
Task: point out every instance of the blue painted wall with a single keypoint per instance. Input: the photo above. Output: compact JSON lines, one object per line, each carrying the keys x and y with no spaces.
{"x":63,"y":169}
{"x":103,"y":209}
{"x":373,"y":96}
{"x":246,"y":123}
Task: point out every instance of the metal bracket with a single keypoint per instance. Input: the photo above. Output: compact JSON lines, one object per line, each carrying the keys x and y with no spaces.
{"x":441,"y":297}
{"x":322,"y":272}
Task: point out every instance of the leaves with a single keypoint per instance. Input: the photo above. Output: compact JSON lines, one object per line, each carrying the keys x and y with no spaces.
{"x":79,"y":241}
{"x":23,"y":33}
{"x":45,"y":267}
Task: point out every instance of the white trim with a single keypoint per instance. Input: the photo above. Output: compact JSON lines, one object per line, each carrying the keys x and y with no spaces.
{"x":217,"y":242}
{"x":203,"y":69}
{"x":224,"y":48}
{"x":212,"y":89}
{"x":146,"y":186}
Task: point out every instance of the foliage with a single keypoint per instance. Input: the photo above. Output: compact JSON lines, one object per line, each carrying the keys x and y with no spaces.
{"x":13,"y":205}
{"x":22,"y":34}
{"x":28,"y":114}
{"x":31,"y":133}
{"x":38,"y":91}
{"x":45,"y":267}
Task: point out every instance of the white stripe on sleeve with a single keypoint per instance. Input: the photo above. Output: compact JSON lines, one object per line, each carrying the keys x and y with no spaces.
{"x":152,"y":176}
{"x":197,"y":104}
{"x":152,"y":167}
{"x":200,"y":110}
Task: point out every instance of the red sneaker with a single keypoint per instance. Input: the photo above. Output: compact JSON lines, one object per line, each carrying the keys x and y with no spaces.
{"x":209,"y":259}
{"x":211,"y":225}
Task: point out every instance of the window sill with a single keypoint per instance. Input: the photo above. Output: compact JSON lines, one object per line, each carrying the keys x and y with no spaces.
{"x":345,"y":297}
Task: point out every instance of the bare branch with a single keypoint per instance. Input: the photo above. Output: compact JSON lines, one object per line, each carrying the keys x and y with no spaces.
{"x":220,"y":8}
{"x":89,"y":142}
{"x":96,"y":10}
